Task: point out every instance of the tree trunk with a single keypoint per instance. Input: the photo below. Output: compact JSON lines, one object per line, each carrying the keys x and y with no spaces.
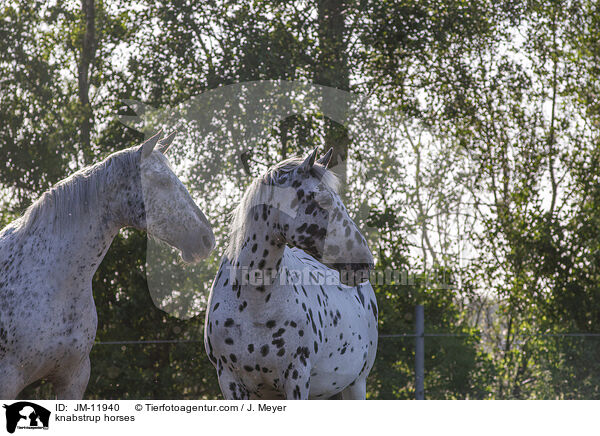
{"x":88,"y":53}
{"x":332,"y":69}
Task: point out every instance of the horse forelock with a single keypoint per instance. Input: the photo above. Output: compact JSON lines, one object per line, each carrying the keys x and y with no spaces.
{"x":76,"y":195}
{"x":262,"y":190}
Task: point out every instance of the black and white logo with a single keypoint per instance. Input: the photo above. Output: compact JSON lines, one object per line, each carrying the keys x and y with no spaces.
{"x":26,"y":415}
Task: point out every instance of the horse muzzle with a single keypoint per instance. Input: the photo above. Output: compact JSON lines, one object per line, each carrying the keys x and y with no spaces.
{"x":199,"y":250}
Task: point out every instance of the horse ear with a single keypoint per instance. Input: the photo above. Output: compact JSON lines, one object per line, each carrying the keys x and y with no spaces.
{"x":164,"y":144}
{"x":309,"y":161}
{"x":326,"y":158}
{"x":147,"y":147}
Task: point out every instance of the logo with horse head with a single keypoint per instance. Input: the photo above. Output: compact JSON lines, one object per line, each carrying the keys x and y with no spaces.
{"x":26,"y":415}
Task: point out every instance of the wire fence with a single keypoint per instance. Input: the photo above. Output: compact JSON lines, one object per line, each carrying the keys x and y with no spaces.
{"x":418,"y":364}
{"x":381,"y":336}
{"x":413,"y":364}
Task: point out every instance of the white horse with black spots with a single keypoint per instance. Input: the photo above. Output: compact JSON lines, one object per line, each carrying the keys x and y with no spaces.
{"x":48,"y":258}
{"x":280,"y":323}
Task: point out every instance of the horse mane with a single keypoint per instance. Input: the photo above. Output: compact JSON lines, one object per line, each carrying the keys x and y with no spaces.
{"x":73,"y":196}
{"x":261,"y":191}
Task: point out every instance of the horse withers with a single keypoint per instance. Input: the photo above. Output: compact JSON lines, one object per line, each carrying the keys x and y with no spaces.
{"x":48,"y":258}
{"x":293,"y":323}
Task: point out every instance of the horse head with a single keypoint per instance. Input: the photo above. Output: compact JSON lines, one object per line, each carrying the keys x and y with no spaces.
{"x":315,"y":219}
{"x":171,"y":214}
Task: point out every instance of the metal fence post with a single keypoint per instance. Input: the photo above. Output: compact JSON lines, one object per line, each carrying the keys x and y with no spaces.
{"x":419,"y":352}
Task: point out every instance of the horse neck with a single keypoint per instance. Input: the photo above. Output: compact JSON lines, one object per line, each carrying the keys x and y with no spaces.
{"x":85,"y":242}
{"x":80,"y":244}
{"x":260,"y":253}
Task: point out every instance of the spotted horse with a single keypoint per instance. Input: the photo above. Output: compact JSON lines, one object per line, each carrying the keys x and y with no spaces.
{"x":48,"y":258}
{"x":288,"y":316}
